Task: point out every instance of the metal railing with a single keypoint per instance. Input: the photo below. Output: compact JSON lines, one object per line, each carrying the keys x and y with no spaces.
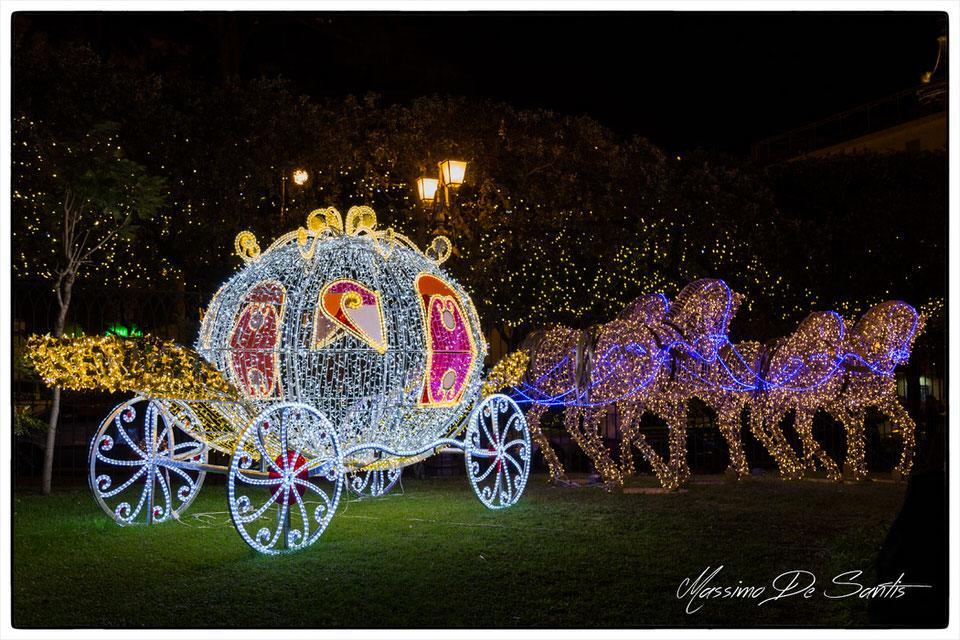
{"x":899,"y":108}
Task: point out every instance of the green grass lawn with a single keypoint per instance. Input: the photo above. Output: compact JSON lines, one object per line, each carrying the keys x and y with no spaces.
{"x":434,"y":556}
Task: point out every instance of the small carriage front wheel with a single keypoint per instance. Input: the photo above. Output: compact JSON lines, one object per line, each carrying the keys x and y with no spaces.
{"x":497,"y":451}
{"x":285,"y":478}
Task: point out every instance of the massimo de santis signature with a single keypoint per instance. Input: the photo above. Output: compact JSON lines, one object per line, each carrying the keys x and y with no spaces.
{"x":789,"y":584}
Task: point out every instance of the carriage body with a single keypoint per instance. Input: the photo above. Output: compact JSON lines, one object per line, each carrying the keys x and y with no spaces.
{"x":364,"y":328}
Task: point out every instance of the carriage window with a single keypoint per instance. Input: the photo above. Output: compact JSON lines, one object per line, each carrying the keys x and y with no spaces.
{"x":451,"y":352}
{"x":254,"y":358}
{"x":346,"y":306}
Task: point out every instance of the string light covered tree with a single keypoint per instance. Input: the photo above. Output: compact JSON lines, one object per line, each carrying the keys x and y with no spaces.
{"x":78,"y":206}
{"x":560,"y":219}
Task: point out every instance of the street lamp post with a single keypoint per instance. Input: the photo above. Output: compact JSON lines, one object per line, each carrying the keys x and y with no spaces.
{"x":434,"y":193}
{"x":300,"y":177}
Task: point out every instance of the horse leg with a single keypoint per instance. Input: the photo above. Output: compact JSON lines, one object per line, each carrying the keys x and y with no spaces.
{"x":812,"y":451}
{"x":728,"y":419}
{"x":627,"y":414}
{"x":594,"y":421}
{"x":899,"y":416}
{"x":774,"y":442}
{"x":587,"y":437}
{"x":534,"y":414}
{"x":852,"y":420}
{"x":679,"y":470}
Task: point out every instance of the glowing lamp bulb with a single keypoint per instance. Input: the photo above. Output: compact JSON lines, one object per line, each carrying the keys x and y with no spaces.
{"x":453,"y":172}
{"x":300,"y":176}
{"x":427,"y":188}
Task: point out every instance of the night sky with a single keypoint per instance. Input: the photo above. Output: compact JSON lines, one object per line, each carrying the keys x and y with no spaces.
{"x":683,"y":80}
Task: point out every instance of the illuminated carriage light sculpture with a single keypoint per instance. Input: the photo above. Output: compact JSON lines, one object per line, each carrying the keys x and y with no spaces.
{"x":348,"y":354}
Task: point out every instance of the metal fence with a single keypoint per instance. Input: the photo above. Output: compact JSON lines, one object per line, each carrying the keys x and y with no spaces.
{"x":878,"y":115}
{"x":171,"y":313}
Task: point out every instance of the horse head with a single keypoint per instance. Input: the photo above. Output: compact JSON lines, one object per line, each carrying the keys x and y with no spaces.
{"x":884,"y":335}
{"x":701,"y":314}
{"x":808,"y":357}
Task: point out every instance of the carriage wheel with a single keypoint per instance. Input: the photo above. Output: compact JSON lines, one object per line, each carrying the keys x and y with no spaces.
{"x":286,"y":500}
{"x":131,"y":474}
{"x":374,"y":483}
{"x":497,"y":451}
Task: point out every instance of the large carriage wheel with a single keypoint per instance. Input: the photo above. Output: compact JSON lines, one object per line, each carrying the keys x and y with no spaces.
{"x":373,"y":483}
{"x":141,"y":459}
{"x":285,"y":478}
{"x":497,"y":451}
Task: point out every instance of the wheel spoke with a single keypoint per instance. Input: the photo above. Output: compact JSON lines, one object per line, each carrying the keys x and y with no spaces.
{"x":195,"y":449}
{"x":126,"y":438}
{"x":486,"y":473}
{"x":259,"y":482}
{"x":303,"y":514}
{"x":511,"y":459}
{"x":309,"y":485}
{"x":133,"y":478}
{"x":147,"y":488}
{"x":121,"y":463}
{"x":280,"y":517}
{"x":259,"y":512}
{"x":159,"y":474}
{"x":502,"y":468}
{"x":185,"y":476}
{"x":262,"y":448}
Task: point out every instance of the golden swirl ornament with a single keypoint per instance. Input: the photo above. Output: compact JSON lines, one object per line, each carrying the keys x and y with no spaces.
{"x":245,"y":245}
{"x":360,"y":219}
{"x":439,"y":250}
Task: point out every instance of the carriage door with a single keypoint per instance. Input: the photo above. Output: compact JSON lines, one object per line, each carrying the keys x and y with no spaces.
{"x":254,"y":355}
{"x":451,"y":352}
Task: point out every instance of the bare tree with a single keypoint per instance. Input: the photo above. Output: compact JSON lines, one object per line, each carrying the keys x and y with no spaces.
{"x":89,"y":202}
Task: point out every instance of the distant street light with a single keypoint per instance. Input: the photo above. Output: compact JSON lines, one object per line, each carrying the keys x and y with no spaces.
{"x":300,"y":177}
{"x":434,"y":193}
{"x":427,"y":189}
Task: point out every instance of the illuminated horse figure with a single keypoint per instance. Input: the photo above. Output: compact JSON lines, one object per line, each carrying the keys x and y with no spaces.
{"x":647,"y":359}
{"x":821,"y":366}
{"x":882,"y":339}
{"x":799,"y":373}
{"x":551,"y":369}
{"x":585,"y":372}
{"x":656,"y":356}
{"x":697,"y":324}
{"x":621,"y":368}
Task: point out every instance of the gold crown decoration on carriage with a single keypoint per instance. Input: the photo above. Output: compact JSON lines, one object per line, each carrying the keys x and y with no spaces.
{"x":335,"y":357}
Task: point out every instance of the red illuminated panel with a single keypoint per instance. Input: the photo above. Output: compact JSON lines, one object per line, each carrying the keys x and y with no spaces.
{"x":255,"y":341}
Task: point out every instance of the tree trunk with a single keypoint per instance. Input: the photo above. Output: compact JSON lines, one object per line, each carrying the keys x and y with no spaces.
{"x":51,"y":442}
{"x":64,"y":292}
